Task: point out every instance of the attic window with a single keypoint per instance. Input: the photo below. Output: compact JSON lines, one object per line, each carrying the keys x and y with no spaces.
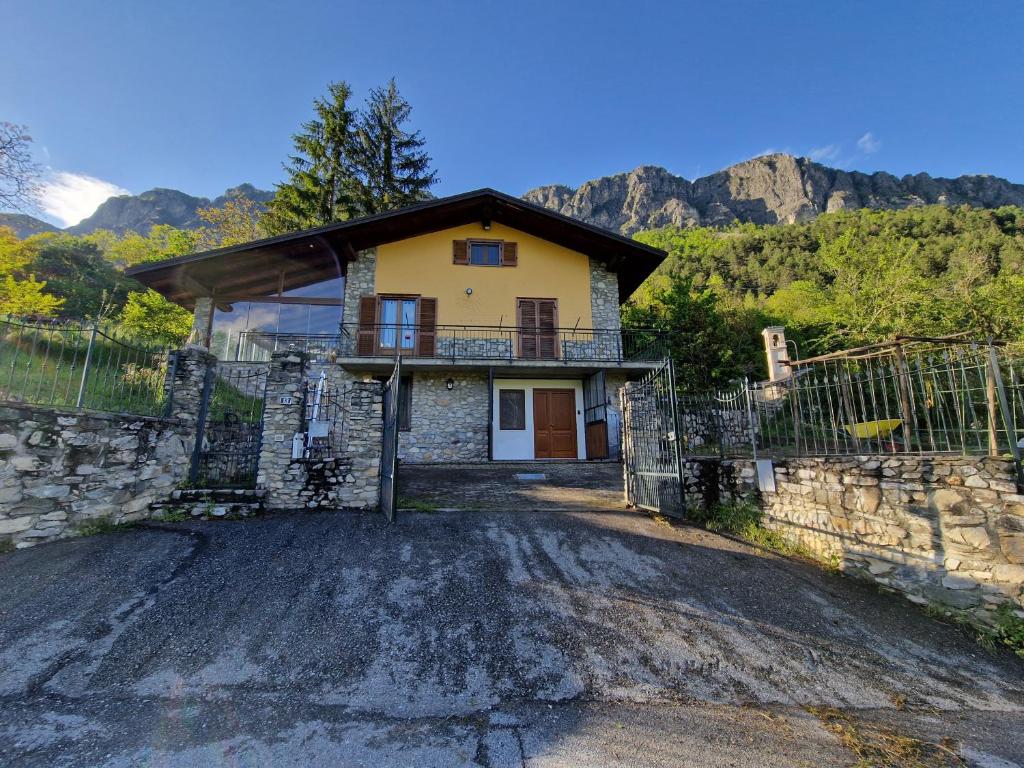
{"x":485,"y":254}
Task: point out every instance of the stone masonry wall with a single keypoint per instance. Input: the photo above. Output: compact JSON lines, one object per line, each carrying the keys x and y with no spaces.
{"x":62,"y":469}
{"x":360,"y":280}
{"x":946,"y":531}
{"x":446,"y":425}
{"x":350,"y":479}
{"x":604,"y":296}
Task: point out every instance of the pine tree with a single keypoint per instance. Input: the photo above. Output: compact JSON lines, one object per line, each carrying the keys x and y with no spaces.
{"x":392,"y":167}
{"x":321,"y":185}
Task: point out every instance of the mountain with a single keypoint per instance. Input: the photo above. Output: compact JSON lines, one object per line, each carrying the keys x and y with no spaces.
{"x":765,"y":190}
{"x":137,"y":213}
{"x":25,"y":225}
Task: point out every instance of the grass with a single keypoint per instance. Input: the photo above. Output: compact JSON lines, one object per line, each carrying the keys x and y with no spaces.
{"x":97,"y":526}
{"x":45,"y":367}
{"x":419,"y":505}
{"x":174,"y":515}
{"x":877,"y":746}
{"x":6,"y":546}
{"x":743,"y":518}
{"x":1008,"y":630}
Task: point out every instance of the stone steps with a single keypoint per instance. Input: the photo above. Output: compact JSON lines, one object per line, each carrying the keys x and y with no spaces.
{"x":211,"y":503}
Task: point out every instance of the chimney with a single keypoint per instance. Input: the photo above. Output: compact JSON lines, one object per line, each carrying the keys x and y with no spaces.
{"x":777,"y":352}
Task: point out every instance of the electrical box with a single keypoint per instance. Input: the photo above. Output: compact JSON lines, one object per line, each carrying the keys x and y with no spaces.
{"x":298,"y":445}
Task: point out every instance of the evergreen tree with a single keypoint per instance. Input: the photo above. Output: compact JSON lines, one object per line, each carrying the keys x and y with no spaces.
{"x":394,"y":170}
{"x":321,"y":178}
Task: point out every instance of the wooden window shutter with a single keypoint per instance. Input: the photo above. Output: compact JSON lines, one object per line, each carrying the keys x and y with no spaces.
{"x":527,"y":321}
{"x":509,"y":254}
{"x":460,"y":252}
{"x":366,"y":336}
{"x":426,"y":344}
{"x":547,"y":337}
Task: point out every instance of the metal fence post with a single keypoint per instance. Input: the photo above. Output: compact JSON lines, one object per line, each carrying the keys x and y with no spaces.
{"x":677,"y":443}
{"x":750,"y":416}
{"x":1004,"y":407}
{"x":86,"y":366}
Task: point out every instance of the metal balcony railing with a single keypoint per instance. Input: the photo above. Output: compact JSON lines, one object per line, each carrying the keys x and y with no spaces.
{"x":460,"y":342}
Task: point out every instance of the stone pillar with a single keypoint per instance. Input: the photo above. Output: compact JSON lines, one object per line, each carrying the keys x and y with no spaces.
{"x":202,"y":322}
{"x":186,"y":376}
{"x":283,"y":416}
{"x":364,"y":446}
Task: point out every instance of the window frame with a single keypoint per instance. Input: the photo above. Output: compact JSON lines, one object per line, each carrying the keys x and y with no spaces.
{"x":481,"y":241}
{"x":521,"y":393}
{"x":379,"y":320}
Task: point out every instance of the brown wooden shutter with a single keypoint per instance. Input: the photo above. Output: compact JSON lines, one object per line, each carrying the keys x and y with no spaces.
{"x":426,"y":345}
{"x":509,"y":254}
{"x":366,"y":336}
{"x":547,"y":337}
{"x":527,"y":322}
{"x":460,"y":252}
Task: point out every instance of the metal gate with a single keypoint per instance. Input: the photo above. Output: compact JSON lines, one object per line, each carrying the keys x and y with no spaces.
{"x":389,"y":452}
{"x":230,"y":427}
{"x":651,"y":450}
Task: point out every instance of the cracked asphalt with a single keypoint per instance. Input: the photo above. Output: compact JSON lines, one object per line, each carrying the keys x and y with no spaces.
{"x":468,"y":639}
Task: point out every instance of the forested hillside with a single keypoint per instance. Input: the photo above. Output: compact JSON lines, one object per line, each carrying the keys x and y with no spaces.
{"x":843,"y":279}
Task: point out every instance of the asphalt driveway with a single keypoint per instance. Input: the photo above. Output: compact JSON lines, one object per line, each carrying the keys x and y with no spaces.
{"x":471,"y":638}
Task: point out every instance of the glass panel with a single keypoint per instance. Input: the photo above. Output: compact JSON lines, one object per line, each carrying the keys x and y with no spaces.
{"x":388,"y":321}
{"x":294,"y":319}
{"x":485,"y":254}
{"x":511,"y":409}
{"x":324,"y":320}
{"x":408,"y":324}
{"x":326,"y":289}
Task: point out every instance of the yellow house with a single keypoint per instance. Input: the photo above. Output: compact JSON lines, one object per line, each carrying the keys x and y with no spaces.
{"x":505,"y":314}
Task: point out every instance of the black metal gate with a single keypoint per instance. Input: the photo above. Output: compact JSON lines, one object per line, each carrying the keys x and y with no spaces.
{"x":230,"y":427}
{"x":651,"y":450}
{"x":389,"y":452}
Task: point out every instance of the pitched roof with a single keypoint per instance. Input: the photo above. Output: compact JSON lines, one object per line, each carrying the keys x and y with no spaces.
{"x":316,"y":254}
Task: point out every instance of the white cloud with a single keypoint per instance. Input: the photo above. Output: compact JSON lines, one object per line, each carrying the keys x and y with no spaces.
{"x":70,"y":197}
{"x":828,"y":153}
{"x":868,"y":144}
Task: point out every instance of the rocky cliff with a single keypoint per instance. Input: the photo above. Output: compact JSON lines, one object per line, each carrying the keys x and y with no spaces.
{"x":137,"y":213}
{"x":766,"y":190}
{"x":25,"y":225}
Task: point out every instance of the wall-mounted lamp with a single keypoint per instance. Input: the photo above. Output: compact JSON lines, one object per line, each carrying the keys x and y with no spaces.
{"x":450,"y":384}
{"x":486,"y":224}
{"x":469,"y":291}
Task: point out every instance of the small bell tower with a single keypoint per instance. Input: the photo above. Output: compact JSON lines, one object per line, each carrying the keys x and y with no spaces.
{"x":778,"y":353}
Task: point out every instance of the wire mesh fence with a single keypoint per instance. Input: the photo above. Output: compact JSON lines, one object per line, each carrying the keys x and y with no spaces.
{"x":917,"y":396}
{"x":82,"y":366}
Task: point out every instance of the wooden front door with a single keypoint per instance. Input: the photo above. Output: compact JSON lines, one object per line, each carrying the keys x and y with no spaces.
{"x":554,"y":424}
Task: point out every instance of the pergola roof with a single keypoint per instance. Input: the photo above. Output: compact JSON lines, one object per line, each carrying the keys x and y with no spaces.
{"x":312,"y":255}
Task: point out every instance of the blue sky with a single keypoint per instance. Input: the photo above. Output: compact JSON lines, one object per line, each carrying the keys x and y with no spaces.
{"x":200,"y":96}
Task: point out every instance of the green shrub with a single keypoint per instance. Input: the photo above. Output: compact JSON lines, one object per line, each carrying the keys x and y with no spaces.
{"x":1009,"y":629}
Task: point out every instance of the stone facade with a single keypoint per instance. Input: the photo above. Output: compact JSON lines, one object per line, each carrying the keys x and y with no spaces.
{"x":360,"y":280}
{"x":604,"y":296}
{"x":946,"y":531}
{"x":202,"y":322}
{"x":447,"y":426}
{"x":350,"y":479}
{"x":60,"y":470}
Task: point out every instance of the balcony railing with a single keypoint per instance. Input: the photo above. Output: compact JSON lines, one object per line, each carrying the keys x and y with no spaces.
{"x":460,"y":342}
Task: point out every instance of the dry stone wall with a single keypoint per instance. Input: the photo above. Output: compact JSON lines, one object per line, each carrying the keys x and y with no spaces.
{"x":59,"y":470}
{"x":945,"y":531}
{"x":349,"y":479}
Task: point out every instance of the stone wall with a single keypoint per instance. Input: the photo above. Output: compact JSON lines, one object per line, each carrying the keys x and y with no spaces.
{"x":360,"y":280}
{"x":604,"y":296}
{"x":446,"y":425}
{"x":62,"y":469}
{"x":946,"y":531}
{"x":350,"y":478}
